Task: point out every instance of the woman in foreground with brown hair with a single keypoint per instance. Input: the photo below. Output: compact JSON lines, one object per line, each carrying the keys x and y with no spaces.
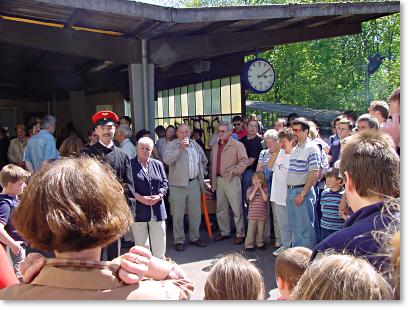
{"x":74,"y":208}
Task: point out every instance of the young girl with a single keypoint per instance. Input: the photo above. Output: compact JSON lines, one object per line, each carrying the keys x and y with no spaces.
{"x":257,"y":196}
{"x":234,"y":278}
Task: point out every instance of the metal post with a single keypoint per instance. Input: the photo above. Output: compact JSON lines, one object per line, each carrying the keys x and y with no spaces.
{"x":145,"y":89}
{"x":367,"y":81}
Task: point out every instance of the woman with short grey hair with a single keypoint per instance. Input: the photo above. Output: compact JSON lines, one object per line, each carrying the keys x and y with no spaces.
{"x":151,"y":185}
{"x":267,"y":159}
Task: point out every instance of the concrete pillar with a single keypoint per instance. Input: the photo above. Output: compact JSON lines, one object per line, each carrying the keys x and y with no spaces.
{"x":137,"y":97}
{"x":78,"y":113}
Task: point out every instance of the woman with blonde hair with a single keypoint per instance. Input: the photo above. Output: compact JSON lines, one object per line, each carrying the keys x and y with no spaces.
{"x":341,"y":277}
{"x":234,"y":278}
{"x":74,"y":207}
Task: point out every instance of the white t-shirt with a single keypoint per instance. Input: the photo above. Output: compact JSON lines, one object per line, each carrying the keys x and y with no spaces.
{"x":280,"y":173}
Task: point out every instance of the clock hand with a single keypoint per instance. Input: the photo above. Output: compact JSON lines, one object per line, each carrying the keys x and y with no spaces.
{"x":263,"y":73}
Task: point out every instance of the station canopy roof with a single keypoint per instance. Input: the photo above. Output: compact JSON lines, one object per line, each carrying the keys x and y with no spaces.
{"x":83,"y":44}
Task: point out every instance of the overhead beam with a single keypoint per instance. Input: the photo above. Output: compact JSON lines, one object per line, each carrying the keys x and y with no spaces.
{"x":197,"y":15}
{"x":173,"y":50}
{"x":71,"y":42}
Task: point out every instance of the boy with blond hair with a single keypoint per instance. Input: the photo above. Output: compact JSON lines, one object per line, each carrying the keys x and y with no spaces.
{"x":12,"y":179}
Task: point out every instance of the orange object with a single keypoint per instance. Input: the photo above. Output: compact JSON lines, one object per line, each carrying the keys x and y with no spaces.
{"x":205,"y":211}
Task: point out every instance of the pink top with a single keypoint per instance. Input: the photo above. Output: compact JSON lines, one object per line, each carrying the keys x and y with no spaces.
{"x":258,"y":209}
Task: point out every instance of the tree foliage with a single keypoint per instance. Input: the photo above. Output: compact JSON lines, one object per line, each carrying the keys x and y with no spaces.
{"x":330,"y":73}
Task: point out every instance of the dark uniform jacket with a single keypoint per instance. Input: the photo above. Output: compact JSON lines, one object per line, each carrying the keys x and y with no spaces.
{"x":121,"y":165}
{"x":154,"y":183}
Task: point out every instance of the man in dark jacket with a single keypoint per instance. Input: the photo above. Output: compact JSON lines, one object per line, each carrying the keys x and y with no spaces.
{"x":107,"y":152}
{"x":367,"y":191}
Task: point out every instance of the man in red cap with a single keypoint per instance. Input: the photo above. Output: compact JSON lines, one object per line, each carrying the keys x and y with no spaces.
{"x":106,"y":151}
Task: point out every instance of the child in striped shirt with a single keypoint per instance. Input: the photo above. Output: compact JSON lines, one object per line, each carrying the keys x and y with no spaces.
{"x":330,"y":200}
{"x":258,"y":197}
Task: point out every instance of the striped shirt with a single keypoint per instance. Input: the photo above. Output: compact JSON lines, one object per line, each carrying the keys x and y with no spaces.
{"x":329,"y":203}
{"x":258,"y":209}
{"x":303,"y":159}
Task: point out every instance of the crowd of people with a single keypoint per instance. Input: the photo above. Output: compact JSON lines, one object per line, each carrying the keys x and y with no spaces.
{"x":320,"y":202}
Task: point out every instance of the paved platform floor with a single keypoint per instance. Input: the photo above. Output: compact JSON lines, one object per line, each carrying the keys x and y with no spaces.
{"x":198,"y":261}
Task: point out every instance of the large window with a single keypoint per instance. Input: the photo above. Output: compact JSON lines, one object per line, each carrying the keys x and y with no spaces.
{"x":202,"y":105}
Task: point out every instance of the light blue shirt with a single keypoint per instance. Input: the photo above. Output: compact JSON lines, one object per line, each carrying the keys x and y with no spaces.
{"x":128,"y":148}
{"x":41,"y":147}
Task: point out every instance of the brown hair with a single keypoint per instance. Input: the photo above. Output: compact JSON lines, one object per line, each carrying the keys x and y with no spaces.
{"x":333,"y":172}
{"x":365,"y":151}
{"x":347,"y":122}
{"x":380,"y":106}
{"x":12,"y":174}
{"x":341,"y":277}
{"x":395,"y":95}
{"x":234,"y":278}
{"x":71,"y":146}
{"x":291,"y":264}
{"x":261,"y":177}
{"x":72,"y":205}
{"x":20,"y":126}
{"x":395,"y":262}
{"x":286,"y":133}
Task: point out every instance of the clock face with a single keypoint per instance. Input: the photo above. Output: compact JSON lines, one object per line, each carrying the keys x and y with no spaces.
{"x":260,"y":76}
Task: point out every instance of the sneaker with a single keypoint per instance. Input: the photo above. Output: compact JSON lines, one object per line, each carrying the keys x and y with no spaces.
{"x":278,"y":251}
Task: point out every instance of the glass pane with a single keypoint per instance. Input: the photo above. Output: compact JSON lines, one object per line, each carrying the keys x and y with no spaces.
{"x":226,"y":95}
{"x":207,"y":98}
{"x":199,"y":99}
{"x":171,"y":103}
{"x":236,"y":94}
{"x":184,"y":101}
{"x":177,"y":100}
{"x":191,"y":100}
{"x":216,"y":96}
{"x":165,"y":103}
{"x":160,"y":105}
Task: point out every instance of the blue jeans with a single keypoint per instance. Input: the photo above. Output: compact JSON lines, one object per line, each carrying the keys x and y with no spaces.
{"x":324,"y":233}
{"x":302,"y":218}
{"x":283,"y":222}
{"x":246,"y":183}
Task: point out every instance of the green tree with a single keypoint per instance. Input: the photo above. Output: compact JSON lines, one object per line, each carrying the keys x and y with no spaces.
{"x":330,"y":73}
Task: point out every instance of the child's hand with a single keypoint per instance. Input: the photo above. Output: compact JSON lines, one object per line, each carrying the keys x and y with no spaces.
{"x":15,"y":248}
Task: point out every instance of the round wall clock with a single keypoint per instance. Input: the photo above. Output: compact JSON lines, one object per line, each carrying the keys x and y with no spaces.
{"x":258,"y":75}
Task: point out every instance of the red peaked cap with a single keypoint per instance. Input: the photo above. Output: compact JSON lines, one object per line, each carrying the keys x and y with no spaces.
{"x":105,"y":118}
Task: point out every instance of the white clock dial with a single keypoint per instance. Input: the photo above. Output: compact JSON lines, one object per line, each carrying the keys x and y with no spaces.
{"x":261,"y":75}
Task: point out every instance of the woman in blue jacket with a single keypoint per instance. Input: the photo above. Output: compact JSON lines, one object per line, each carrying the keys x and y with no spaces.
{"x":151,"y":185}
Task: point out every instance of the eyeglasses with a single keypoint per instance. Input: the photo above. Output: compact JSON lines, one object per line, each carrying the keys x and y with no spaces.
{"x":237,"y":124}
{"x":296,"y":130}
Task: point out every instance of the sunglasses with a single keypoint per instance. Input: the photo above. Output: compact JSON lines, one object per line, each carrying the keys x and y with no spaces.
{"x":237,"y":124}
{"x":296,"y":130}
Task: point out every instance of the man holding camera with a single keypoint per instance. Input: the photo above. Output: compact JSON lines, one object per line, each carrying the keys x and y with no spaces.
{"x":187,"y":166}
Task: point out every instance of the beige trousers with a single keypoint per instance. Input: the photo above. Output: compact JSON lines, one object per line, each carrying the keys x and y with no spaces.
{"x":189,"y":197}
{"x":155,"y":231}
{"x":229,"y":194}
{"x":256,"y":229}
